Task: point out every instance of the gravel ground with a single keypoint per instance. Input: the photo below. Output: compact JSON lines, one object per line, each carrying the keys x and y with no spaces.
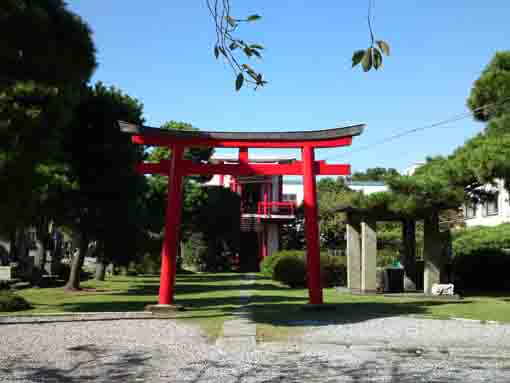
{"x":380,"y":350}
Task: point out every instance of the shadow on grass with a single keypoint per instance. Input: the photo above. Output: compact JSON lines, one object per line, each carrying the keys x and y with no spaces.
{"x":295,"y":315}
{"x":269,"y":303}
{"x":276,"y":306}
{"x":183,"y":288}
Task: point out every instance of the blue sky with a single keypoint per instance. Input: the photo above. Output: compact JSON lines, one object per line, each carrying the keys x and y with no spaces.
{"x":161,"y":53}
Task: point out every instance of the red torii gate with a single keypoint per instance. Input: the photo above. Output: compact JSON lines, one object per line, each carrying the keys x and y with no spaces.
{"x":176,"y":167}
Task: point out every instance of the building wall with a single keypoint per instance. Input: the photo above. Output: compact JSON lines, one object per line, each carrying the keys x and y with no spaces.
{"x":503,"y":209}
{"x":368,"y":187}
{"x":296,"y":187}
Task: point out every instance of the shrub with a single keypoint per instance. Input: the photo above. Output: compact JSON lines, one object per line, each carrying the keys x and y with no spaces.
{"x":290,"y":270}
{"x":268,"y":263}
{"x":386,"y":257}
{"x":481,"y":258}
{"x":12,"y":302}
{"x":148,"y":264}
{"x":481,"y":240}
{"x":482,"y":271}
{"x":333,"y":271}
{"x":289,"y":267}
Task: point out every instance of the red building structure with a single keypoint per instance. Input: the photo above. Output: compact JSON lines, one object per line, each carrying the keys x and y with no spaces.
{"x":263,"y":210}
{"x":176,"y":167}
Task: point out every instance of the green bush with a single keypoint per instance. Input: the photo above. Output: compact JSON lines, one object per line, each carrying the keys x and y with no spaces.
{"x":333,"y":271}
{"x":148,"y":264}
{"x":289,"y":267}
{"x":386,"y":257}
{"x":481,"y":240}
{"x":12,"y":302}
{"x":268,"y":263}
{"x":290,"y":270}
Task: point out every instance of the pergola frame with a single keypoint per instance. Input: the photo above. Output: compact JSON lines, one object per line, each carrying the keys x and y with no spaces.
{"x":176,"y":167}
{"x":361,"y":235}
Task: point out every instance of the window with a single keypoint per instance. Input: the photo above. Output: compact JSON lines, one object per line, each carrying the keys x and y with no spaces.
{"x":289,"y":197}
{"x":490,"y":206}
{"x":470,"y":210}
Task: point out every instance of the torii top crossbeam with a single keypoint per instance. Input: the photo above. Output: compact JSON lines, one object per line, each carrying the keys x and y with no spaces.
{"x":176,"y":167}
{"x":317,"y":139}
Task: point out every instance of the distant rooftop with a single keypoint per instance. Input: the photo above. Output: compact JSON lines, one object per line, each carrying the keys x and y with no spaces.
{"x":351,"y":183}
{"x":366,"y":183}
{"x":255,"y":158}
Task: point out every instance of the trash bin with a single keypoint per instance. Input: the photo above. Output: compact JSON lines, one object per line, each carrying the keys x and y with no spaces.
{"x":419,"y":274}
{"x":395,"y":280}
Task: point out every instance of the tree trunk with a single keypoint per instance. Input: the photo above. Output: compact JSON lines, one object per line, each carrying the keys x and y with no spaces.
{"x":12,"y":243}
{"x":42,"y":238}
{"x":100,"y":270}
{"x":74,"y":277}
{"x":100,"y":262}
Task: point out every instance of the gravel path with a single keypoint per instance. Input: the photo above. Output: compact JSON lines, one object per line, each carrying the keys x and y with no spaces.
{"x":137,"y":350}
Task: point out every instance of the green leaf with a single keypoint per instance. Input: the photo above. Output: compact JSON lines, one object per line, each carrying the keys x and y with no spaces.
{"x":254,"y":18}
{"x":384,"y":47}
{"x":366,"y":62}
{"x":377,"y":58}
{"x":256,"y":46}
{"x":250,"y":70}
{"x":216,"y":51}
{"x":239,"y":81}
{"x":232,"y":22}
{"x":248,"y":52}
{"x":357,"y":57}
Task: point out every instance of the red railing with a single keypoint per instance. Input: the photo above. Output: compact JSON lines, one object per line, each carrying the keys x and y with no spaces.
{"x":276,"y":208}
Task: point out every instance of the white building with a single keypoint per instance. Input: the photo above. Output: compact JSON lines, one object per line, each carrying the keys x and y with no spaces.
{"x":293,"y":188}
{"x":491,"y":212}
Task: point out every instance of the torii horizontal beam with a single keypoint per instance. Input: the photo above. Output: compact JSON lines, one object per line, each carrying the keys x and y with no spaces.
{"x":295,"y":168}
{"x":326,"y":138}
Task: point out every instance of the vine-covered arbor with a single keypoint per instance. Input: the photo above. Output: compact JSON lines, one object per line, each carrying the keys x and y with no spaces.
{"x":176,"y":167}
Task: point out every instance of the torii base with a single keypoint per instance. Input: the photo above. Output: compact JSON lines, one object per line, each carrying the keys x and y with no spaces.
{"x":163,"y":310}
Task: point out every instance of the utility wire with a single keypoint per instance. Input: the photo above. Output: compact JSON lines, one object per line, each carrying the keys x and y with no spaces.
{"x":396,"y":136}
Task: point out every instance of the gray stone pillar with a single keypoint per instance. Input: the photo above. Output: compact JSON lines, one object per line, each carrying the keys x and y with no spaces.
{"x":273,"y":239}
{"x":431,"y":252}
{"x":368,"y":256}
{"x":408,"y":259}
{"x":353,"y":252}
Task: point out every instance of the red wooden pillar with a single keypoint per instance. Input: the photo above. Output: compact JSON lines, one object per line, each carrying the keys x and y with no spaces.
{"x":311,"y":228}
{"x":172,"y":227}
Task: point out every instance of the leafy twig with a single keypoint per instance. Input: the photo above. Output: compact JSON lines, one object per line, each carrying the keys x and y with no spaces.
{"x":228,"y":46}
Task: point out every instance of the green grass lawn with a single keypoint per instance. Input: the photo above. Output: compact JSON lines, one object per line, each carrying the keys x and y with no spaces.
{"x":211,"y":299}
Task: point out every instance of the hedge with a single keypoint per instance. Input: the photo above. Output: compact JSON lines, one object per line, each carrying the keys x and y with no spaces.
{"x":481,"y":239}
{"x":482,"y":258}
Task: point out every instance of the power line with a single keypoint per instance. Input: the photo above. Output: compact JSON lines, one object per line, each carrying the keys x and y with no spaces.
{"x":396,"y":136}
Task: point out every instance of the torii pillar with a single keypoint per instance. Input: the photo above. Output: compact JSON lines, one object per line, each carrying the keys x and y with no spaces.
{"x":311,"y":227}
